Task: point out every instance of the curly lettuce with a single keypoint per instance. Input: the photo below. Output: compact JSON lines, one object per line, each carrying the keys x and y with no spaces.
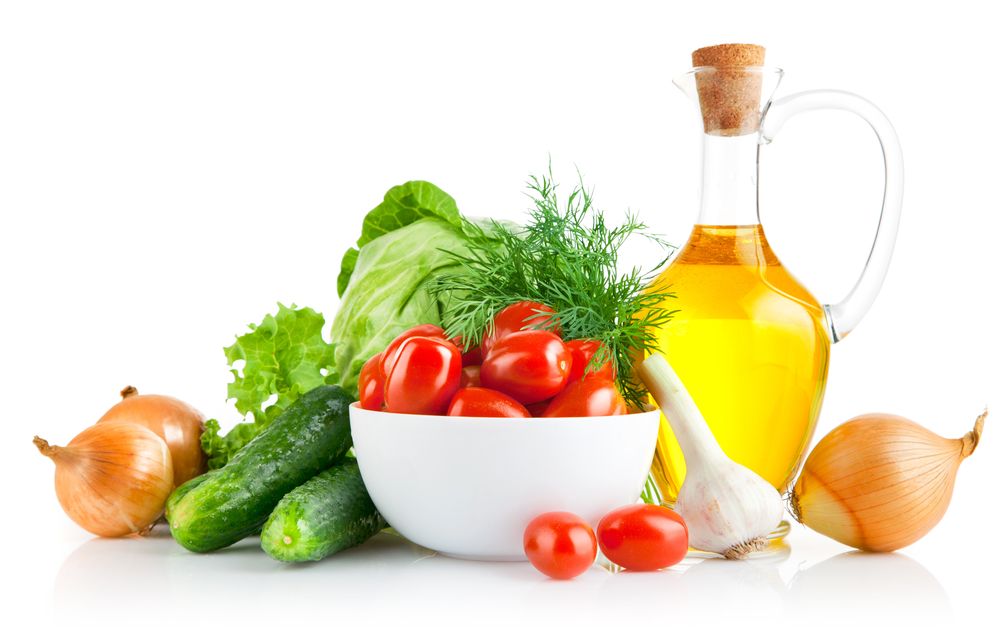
{"x":282,"y":358}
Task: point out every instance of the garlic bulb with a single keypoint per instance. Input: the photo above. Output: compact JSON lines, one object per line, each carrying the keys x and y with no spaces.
{"x":879,"y":482}
{"x":729,"y":509}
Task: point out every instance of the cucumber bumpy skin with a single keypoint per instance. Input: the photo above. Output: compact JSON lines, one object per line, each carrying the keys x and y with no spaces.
{"x":329,"y":513}
{"x":308,"y":437}
{"x":182,"y":490}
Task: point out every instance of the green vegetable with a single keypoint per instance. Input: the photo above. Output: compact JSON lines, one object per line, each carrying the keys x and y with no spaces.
{"x":385,"y":286}
{"x":566,"y":258}
{"x":401,"y":206}
{"x":311,"y":435}
{"x":182,"y":490}
{"x":284,"y":357}
{"x":330,"y":512}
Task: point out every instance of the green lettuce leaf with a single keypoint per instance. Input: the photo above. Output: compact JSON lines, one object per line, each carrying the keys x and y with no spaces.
{"x":402,"y":205}
{"x":283,"y":357}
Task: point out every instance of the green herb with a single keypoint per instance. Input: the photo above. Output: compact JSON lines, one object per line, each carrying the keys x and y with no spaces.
{"x":565,"y":257}
{"x":651,"y":492}
{"x":283,"y":357}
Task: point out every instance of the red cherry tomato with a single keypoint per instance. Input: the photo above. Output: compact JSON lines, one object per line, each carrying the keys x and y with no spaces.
{"x":589,"y":397}
{"x":391,"y":351}
{"x":529,"y":366}
{"x":470,"y":356}
{"x":485,"y":403}
{"x":514,"y":318}
{"x":560,"y":544}
{"x":470,"y":376}
{"x":371,"y":385}
{"x":643,"y":537}
{"x":583,"y":350}
{"x":424,"y":376}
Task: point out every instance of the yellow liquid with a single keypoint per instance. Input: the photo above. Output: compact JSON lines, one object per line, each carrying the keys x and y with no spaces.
{"x":750,"y":345}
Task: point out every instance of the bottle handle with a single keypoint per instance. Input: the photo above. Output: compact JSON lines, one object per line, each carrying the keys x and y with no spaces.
{"x":843,"y":316}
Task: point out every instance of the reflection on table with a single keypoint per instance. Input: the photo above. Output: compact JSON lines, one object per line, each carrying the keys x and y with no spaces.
{"x":117,"y":581}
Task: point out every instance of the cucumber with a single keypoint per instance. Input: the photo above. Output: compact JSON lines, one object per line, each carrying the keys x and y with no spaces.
{"x":181,"y":491}
{"x":308,"y":437}
{"x":330,"y":512}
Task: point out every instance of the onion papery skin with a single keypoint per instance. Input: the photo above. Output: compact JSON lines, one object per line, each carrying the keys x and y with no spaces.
{"x":179,"y":425}
{"x":113,"y":479}
{"x":879,"y":482}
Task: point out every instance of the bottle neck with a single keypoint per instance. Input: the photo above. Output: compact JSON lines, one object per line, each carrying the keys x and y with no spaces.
{"x":729,"y":180}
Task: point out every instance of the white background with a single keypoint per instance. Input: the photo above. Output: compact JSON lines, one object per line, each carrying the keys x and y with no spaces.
{"x":169,"y":171}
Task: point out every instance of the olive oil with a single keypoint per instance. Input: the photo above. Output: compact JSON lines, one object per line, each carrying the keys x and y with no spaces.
{"x":751,"y":346}
{"x":749,"y":342}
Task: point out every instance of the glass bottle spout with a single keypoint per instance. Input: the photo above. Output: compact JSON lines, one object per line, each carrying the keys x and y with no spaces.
{"x":730,"y":103}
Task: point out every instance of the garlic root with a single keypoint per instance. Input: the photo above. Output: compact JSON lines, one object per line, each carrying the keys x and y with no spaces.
{"x":744,"y":549}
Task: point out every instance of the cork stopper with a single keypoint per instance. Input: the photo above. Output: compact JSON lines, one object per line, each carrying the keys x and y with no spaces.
{"x":729,"y":93}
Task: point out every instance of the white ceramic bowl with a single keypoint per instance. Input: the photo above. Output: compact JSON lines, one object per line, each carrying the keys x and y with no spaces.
{"x":467,"y":487}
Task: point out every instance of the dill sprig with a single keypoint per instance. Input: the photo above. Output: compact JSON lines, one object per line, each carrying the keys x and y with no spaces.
{"x":567,"y":258}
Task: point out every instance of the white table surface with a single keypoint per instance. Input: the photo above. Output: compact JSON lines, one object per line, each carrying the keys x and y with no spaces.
{"x":389,"y":582}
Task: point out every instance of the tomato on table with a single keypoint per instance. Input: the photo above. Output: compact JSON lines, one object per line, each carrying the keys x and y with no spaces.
{"x":583,"y":351}
{"x":392,"y":350}
{"x":643,"y":537}
{"x":560,"y":544}
{"x":485,"y":403}
{"x":371,"y":385}
{"x":424,"y":376}
{"x":589,"y":397}
{"x":529,"y":366}
{"x":515,"y":318}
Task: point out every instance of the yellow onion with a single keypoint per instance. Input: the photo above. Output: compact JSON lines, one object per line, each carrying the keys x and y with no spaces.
{"x":179,"y":425}
{"x":112,"y":479}
{"x":880,"y":482}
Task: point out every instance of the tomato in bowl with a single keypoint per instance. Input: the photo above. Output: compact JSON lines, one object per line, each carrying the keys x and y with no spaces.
{"x":461,"y":448}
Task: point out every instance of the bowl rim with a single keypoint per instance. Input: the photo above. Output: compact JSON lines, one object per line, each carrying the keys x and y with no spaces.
{"x":357,"y":410}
